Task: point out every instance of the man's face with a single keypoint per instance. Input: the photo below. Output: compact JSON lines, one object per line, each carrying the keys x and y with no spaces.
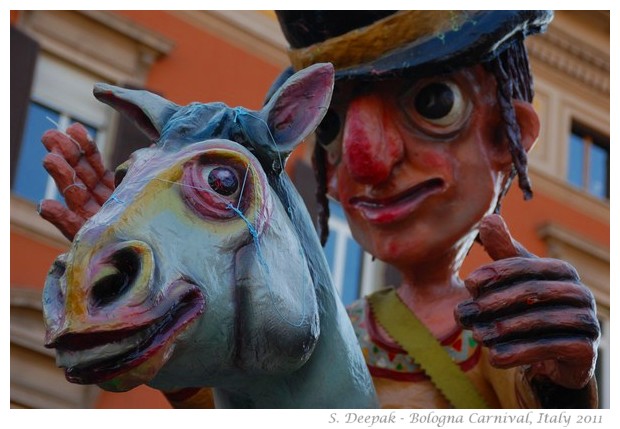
{"x":417,"y":164}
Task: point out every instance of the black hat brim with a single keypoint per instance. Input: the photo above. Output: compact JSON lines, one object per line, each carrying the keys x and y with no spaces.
{"x":476,"y":41}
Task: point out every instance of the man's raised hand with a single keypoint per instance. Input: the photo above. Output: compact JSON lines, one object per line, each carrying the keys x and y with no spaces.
{"x":75,"y":164}
{"x":531,"y":312}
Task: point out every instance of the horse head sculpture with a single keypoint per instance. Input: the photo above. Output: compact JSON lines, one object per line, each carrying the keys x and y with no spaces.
{"x":203,"y":269}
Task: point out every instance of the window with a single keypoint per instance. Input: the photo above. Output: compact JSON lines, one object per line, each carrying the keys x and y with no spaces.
{"x":354,"y":273}
{"x":56,"y":57}
{"x":31,"y":180}
{"x":603,"y":366}
{"x":344,"y":255}
{"x":61,"y":95}
{"x":592,"y":262}
{"x":588,"y":161}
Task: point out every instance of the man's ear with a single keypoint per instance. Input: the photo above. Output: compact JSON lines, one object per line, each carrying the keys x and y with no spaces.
{"x":529,"y":127}
{"x":528,"y":121}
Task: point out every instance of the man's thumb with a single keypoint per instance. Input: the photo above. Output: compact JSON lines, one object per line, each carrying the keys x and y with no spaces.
{"x":497,"y":241}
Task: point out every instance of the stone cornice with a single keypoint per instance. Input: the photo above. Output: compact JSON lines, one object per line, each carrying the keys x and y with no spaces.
{"x":102,"y":42}
{"x":149,"y":39}
{"x":570,"y":56}
{"x":561,"y":191}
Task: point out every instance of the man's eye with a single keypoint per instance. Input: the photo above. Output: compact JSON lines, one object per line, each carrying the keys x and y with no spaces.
{"x":435,"y":101}
{"x":440,"y":103}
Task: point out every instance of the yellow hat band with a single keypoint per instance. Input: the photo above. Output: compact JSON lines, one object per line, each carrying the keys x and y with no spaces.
{"x":366,"y":44}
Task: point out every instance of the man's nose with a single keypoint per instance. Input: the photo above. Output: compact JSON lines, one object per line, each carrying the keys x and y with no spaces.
{"x":372,"y":145}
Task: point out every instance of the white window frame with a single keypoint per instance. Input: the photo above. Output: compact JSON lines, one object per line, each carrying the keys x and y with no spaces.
{"x":81,"y":107}
{"x":605,"y":380}
{"x":570,"y":64}
{"x":99,"y":43}
{"x":339,"y":229}
{"x":372,"y":270}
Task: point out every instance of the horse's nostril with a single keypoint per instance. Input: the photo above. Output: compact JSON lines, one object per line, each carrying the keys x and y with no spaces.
{"x":107,"y":289}
{"x":58,"y":267}
{"x":118,"y":276}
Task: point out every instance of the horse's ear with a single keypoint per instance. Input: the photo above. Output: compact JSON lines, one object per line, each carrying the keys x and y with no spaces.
{"x":148,"y":111}
{"x":298,"y":107}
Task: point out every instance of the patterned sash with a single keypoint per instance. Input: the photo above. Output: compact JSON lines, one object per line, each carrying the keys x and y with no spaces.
{"x":411,"y":334}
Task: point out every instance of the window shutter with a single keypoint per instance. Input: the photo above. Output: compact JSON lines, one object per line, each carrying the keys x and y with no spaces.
{"x":24,"y":52}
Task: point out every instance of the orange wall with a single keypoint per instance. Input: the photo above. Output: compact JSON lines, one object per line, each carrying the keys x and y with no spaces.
{"x":525,"y":217}
{"x":14,"y":16}
{"x":140,"y":397}
{"x":202,"y":67}
{"x":30,"y":261}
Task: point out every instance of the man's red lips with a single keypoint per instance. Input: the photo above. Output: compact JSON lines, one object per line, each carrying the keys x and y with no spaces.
{"x":398,"y":206}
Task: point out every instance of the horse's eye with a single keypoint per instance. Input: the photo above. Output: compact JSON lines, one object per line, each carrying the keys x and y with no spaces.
{"x":223,"y":180}
{"x":213,"y":188}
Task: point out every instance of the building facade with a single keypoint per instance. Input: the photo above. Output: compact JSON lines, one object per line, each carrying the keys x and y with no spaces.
{"x":234,"y":56}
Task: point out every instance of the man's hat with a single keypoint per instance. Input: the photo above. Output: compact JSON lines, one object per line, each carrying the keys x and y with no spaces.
{"x":372,"y":45}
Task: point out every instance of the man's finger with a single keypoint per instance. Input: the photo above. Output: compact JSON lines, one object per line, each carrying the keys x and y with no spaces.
{"x":63,"y":174}
{"x":79,"y":135}
{"x":101,"y":193}
{"x":543,"y":323}
{"x":86,"y":173}
{"x":518,"y":353}
{"x":522,"y":297}
{"x":95,"y":160}
{"x":55,"y":141}
{"x":67,"y":222}
{"x":508,"y":271}
{"x":81,"y":201}
{"x":497,"y":241}
{"x":108,"y":180}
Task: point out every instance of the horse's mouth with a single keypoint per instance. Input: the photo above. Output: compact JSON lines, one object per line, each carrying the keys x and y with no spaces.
{"x":98,"y":357}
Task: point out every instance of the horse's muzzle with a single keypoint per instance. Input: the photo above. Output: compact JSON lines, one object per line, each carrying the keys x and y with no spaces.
{"x":110,"y":289}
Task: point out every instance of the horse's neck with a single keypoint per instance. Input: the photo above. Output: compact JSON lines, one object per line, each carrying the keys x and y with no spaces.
{"x":334,"y":377}
{"x":337,"y":372}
